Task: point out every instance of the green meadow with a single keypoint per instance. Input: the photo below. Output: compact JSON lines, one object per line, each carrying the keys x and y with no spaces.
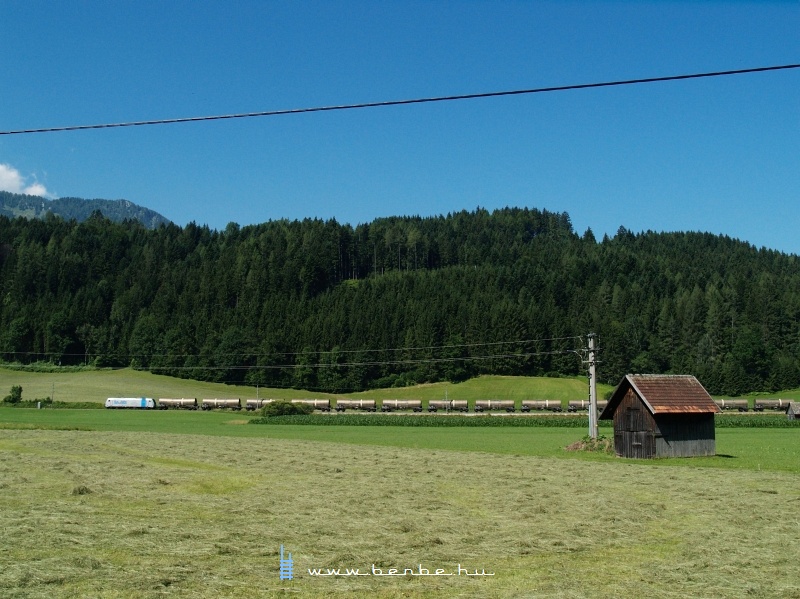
{"x":114,"y":503}
{"x":97,"y":385}
{"x":111,"y":513}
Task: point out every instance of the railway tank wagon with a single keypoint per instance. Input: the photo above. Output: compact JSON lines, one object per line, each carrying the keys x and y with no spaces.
{"x":781,"y":405}
{"x":222,"y":404}
{"x":488,"y":405}
{"x":448,"y":405}
{"x":550,"y":405}
{"x":323,"y":405}
{"x":391,"y":405}
{"x":732,"y":404}
{"x":580,"y":405}
{"x":367,"y":405}
{"x":183,"y":403}
{"x":255,"y":404}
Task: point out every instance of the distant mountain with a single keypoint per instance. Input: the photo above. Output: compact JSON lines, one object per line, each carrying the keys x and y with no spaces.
{"x":15,"y":204}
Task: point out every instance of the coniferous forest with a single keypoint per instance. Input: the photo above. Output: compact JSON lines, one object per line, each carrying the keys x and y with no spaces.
{"x":331,"y":307}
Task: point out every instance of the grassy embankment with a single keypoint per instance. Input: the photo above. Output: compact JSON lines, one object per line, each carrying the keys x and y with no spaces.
{"x":97,"y":385}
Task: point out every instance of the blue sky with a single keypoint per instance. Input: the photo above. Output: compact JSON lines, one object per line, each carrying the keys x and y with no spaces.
{"x":719,"y":155}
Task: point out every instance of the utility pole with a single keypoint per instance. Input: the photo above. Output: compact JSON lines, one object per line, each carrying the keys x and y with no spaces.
{"x":592,"y":388}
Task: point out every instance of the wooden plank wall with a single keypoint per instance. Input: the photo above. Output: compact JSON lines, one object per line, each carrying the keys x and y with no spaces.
{"x":633,"y":428}
{"x":685,"y":435}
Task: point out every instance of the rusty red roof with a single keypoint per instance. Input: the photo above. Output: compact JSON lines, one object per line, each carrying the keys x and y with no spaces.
{"x":664,"y":394}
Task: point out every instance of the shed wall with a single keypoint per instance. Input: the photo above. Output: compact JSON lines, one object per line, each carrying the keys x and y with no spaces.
{"x":685,"y":435}
{"x":634,"y":428}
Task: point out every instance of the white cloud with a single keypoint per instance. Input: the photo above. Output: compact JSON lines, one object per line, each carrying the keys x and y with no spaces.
{"x":11,"y":180}
{"x":36,"y":189}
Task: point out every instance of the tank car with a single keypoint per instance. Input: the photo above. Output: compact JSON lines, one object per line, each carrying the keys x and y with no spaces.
{"x":225,"y":404}
{"x":367,"y":405}
{"x":323,"y":405}
{"x":255,"y":404}
{"x":448,"y":405}
{"x":183,"y":403}
{"x":732,"y":404}
{"x":390,"y":405}
{"x":771,"y":404}
{"x":577,"y":405}
{"x":541,"y":404}
{"x":485,"y":405}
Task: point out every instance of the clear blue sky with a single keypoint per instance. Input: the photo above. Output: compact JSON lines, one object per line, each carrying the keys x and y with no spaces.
{"x":719,"y":155}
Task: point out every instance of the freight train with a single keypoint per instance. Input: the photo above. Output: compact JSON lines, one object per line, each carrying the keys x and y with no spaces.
{"x":363,"y":405}
{"x":759,"y":405}
{"x":412,"y":405}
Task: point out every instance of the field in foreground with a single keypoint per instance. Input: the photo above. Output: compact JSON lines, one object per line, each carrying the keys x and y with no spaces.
{"x":140,"y":514}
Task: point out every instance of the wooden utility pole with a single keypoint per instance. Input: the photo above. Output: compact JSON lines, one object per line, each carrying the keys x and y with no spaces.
{"x":592,"y":388}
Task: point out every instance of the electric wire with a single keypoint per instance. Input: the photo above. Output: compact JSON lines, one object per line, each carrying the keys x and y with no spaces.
{"x":451,"y":98}
{"x":371,"y":363}
{"x":311,"y":352}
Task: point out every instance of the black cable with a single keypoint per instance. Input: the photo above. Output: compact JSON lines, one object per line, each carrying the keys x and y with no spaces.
{"x":372,"y":363}
{"x":305,"y":353}
{"x":518,"y":92}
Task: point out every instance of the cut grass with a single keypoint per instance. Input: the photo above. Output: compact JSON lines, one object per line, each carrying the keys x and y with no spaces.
{"x":198,"y":516}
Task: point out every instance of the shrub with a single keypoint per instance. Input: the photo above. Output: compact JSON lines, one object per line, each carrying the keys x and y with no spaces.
{"x":286,"y":408}
{"x":15,"y":396}
{"x":601,"y":444}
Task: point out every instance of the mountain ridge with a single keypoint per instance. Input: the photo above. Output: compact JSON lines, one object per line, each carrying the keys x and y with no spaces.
{"x":31,"y":206}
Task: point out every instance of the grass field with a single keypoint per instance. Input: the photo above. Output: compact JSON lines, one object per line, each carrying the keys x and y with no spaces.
{"x":97,"y":385}
{"x":120,"y":514}
{"x":134,"y":514}
{"x":755,"y":449}
{"x":113,"y":504}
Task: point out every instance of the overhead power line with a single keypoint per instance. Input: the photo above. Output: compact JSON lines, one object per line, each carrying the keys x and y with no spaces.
{"x":371,"y":363}
{"x":494,"y":94}
{"x":312,"y":352}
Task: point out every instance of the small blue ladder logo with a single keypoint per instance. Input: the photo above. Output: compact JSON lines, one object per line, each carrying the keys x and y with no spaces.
{"x":287,"y":566}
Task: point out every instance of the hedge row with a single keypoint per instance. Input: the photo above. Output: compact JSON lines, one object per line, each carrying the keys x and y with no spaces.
{"x":725,"y":421}
{"x":760,"y":421}
{"x":50,"y":405}
{"x":426,"y":420}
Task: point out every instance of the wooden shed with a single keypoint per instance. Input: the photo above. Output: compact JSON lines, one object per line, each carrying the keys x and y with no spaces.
{"x":661,"y":415}
{"x":793,"y":413}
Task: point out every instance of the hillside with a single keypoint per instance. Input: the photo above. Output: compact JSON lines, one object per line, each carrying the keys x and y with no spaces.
{"x":97,"y":385}
{"x":398,"y":302}
{"x":14,"y":204}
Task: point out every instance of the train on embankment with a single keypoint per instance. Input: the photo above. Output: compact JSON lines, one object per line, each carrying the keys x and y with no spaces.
{"x":411,"y":405}
{"x":759,"y":405}
{"x":362,"y":405}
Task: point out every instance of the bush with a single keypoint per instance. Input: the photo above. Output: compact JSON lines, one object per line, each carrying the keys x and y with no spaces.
{"x":286,"y":408}
{"x":15,"y":396}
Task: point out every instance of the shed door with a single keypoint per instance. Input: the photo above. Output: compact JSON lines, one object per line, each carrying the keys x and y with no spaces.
{"x":637,"y":441}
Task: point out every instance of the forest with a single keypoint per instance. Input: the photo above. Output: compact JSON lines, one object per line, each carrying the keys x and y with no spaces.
{"x":331,"y":307}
